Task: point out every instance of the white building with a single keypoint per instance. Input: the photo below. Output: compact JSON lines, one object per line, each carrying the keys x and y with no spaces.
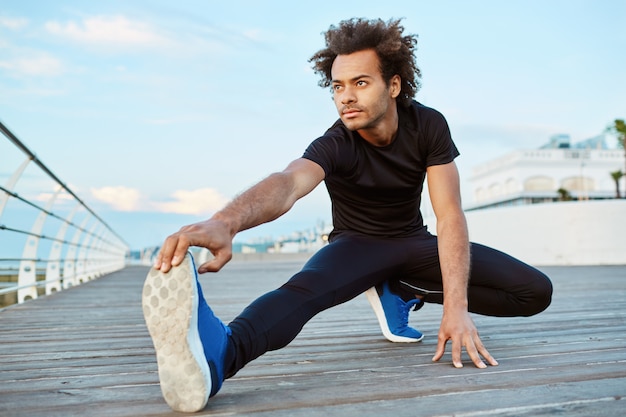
{"x":516,"y":206}
{"x":582,"y":170}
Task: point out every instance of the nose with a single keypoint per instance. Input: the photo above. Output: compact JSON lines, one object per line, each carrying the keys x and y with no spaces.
{"x":347,"y":96}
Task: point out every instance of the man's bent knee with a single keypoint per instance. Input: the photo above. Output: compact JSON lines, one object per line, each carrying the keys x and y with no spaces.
{"x":541,"y":288}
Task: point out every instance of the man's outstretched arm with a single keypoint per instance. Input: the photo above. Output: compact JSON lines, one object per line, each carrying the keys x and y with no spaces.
{"x":454,"y":258}
{"x":262,"y":203}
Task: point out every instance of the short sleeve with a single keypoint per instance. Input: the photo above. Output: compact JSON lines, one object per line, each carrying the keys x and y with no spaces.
{"x":440,"y":148}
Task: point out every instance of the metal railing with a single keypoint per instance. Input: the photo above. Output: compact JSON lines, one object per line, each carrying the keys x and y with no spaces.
{"x":50,"y":239}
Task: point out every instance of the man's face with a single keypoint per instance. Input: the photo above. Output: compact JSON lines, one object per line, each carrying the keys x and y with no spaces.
{"x":362,"y":97}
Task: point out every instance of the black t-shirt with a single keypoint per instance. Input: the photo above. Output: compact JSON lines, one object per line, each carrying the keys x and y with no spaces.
{"x":376,"y":191}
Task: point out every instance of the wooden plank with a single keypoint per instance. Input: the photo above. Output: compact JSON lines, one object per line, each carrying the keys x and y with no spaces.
{"x":86,"y":351}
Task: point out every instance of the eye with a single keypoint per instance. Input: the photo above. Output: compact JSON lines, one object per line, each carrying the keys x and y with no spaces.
{"x":336,"y":87}
{"x":361,"y":83}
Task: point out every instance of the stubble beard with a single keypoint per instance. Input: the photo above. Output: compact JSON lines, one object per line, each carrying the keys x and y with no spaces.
{"x":370,"y":122}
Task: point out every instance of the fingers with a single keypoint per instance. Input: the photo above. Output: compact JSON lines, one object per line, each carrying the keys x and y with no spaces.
{"x":485,"y":353}
{"x":172,"y":252}
{"x":476,"y":350}
{"x":473,"y":354}
{"x":211,"y":234}
{"x":456,"y":353}
{"x":474,"y":347}
{"x":214,"y":265}
{"x":441,"y":348}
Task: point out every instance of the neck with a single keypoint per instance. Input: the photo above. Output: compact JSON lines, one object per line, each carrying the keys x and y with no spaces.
{"x":384,"y":132}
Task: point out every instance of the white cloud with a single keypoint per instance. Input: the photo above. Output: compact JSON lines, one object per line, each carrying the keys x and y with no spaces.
{"x":13,"y":23}
{"x":119,"y":197}
{"x":41,"y":65}
{"x":108,"y":30}
{"x":200,"y":201}
{"x":59,"y":199}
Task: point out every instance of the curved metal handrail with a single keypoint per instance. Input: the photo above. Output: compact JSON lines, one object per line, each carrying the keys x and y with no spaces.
{"x":93,"y":250}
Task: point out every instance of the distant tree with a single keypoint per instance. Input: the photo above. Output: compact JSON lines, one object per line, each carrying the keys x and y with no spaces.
{"x":618,"y":128}
{"x":564,"y":195}
{"x":616,"y":175}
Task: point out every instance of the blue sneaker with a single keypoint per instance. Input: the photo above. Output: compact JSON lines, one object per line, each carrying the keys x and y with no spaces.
{"x":190,"y":342}
{"x":392,"y":313}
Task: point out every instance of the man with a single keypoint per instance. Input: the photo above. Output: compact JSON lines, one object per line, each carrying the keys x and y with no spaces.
{"x":373,"y":161}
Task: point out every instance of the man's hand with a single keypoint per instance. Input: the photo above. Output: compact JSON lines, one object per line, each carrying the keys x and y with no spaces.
{"x":211,"y":234}
{"x":263,"y":202}
{"x":458,"y":326}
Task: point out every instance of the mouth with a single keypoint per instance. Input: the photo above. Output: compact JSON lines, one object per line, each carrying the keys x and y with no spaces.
{"x":350,"y":113}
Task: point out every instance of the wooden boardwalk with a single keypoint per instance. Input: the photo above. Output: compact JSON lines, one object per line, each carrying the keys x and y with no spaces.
{"x":86,"y":352}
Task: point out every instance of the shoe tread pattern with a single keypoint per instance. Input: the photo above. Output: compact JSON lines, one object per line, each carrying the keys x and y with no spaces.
{"x":168,"y":306}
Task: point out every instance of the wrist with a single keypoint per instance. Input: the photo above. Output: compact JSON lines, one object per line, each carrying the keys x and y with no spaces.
{"x":455,"y":304}
{"x":226,"y":222}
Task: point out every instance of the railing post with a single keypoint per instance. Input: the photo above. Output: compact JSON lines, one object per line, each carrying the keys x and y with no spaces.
{"x":103,"y":253}
{"x":69,"y":265}
{"x":28,"y":266}
{"x":53,"y":269}
{"x":92,"y":251}
{"x":4,"y":197}
{"x":81,"y":259}
{"x":27,"y":275}
{"x":97,"y":254}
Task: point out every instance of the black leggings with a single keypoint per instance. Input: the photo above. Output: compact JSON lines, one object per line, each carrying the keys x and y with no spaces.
{"x":499,"y":285}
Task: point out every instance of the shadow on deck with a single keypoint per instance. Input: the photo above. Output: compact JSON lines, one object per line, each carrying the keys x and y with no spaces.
{"x":86,"y":352}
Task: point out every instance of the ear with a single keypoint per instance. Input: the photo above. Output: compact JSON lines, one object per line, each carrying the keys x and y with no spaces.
{"x":395,"y":86}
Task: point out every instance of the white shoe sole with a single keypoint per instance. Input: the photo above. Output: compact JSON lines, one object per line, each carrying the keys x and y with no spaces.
{"x":170,"y":308}
{"x":372,"y":297}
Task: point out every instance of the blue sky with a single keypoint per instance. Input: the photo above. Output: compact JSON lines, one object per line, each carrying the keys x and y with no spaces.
{"x":158,"y":112}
